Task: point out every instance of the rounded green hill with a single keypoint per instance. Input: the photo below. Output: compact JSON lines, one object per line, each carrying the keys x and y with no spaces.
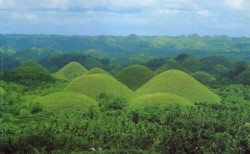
{"x":204,"y":77}
{"x":181,"y":84}
{"x":244,"y":77}
{"x":170,"y":64}
{"x":135,"y":76}
{"x":97,"y":71}
{"x":95,"y":84}
{"x":157,"y":100}
{"x":71,"y":70}
{"x":66,"y":102}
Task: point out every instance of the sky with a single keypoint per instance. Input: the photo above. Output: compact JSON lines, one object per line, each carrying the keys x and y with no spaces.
{"x":124,"y":17}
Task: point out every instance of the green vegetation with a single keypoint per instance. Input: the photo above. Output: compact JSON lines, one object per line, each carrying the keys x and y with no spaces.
{"x":31,"y":75}
{"x":71,"y":70}
{"x":66,"y":102}
{"x":94,"y":85}
{"x":97,"y":71}
{"x":204,"y":77}
{"x":170,"y":64}
{"x":134,"y":76}
{"x":178,"y":83}
{"x":244,"y":76}
{"x":157,"y":102}
{"x":189,"y":62}
{"x":2,"y":91}
{"x":93,"y":112}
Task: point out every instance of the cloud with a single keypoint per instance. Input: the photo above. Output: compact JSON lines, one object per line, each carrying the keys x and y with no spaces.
{"x":25,"y":16}
{"x":236,"y":4}
{"x":122,"y":17}
{"x":204,"y":13}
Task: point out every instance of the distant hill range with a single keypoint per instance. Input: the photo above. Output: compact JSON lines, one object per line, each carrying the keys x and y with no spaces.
{"x":132,"y":45}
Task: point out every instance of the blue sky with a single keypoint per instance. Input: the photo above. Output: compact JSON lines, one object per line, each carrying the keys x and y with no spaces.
{"x":124,"y":17}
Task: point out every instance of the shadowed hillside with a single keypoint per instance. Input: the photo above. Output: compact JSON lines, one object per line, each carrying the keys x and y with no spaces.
{"x":178,"y":83}
{"x":135,"y":76}
{"x":244,"y":77}
{"x":94,"y":85}
{"x":204,"y":77}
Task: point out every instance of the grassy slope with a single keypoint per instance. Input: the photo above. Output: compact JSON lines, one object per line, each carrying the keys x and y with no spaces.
{"x":2,"y":91}
{"x":71,"y":70}
{"x":66,"y":102}
{"x":97,"y":71}
{"x":160,"y":100}
{"x":178,"y":83}
{"x":203,"y":77}
{"x":244,"y":77}
{"x":170,"y":64}
{"x":135,"y":76}
{"x":94,"y":85}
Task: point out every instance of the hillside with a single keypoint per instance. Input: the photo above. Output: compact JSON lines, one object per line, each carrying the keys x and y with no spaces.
{"x":203,"y":77}
{"x":134,"y":76}
{"x":244,"y":77}
{"x":170,"y":64}
{"x":66,"y":102}
{"x":2,"y":91}
{"x":157,"y":101}
{"x":94,"y":85}
{"x":97,"y":71}
{"x":178,"y":83}
{"x":124,"y":47}
{"x":71,"y":70}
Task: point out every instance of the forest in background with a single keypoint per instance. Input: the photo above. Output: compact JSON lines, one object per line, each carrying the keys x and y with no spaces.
{"x":122,"y":49}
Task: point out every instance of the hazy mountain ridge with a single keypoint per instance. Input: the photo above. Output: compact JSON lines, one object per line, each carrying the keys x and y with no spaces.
{"x":147,"y":45}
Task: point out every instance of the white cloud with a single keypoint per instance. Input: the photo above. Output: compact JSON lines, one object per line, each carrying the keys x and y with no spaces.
{"x":165,"y":12}
{"x":236,"y":4}
{"x":204,"y":13}
{"x":5,"y":4}
{"x":25,"y":16}
{"x":152,"y":15}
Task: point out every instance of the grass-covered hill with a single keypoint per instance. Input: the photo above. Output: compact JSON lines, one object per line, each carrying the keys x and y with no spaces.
{"x":244,"y":77}
{"x":97,"y":71}
{"x":71,"y":70}
{"x":157,"y":101}
{"x":178,"y":83}
{"x":94,"y":85}
{"x":171,"y":64}
{"x":191,"y":63}
{"x":29,"y":74}
{"x":66,"y":102}
{"x":204,"y":77}
{"x":135,"y":76}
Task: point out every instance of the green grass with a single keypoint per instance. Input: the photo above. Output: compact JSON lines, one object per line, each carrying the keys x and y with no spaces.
{"x":30,"y":98}
{"x":181,"y":84}
{"x":66,"y":102}
{"x":170,"y":64}
{"x":204,"y":77}
{"x":2,"y":91}
{"x":71,"y":70}
{"x":97,"y":71}
{"x":160,"y":100}
{"x":135,"y":76}
{"x":94,"y":85}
